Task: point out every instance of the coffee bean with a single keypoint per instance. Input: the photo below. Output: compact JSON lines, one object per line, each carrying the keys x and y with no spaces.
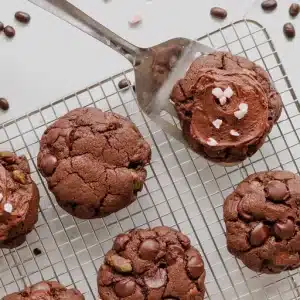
{"x":124,"y":83}
{"x":133,"y":87}
{"x":22,"y":17}
{"x":294,"y":9}
{"x":9,"y":31}
{"x":4,"y":104}
{"x":259,"y":234}
{"x":284,"y":230}
{"x":1,"y":26}
{"x":289,"y":30}
{"x":218,"y":12}
{"x":269,"y":5}
{"x":37,"y":251}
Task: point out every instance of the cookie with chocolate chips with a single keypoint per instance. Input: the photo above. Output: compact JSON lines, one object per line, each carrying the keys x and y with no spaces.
{"x":19,"y":200}
{"x":157,"y":263}
{"x":227,"y":106}
{"x":94,"y":162}
{"x":262,"y":218}
{"x":46,"y":290}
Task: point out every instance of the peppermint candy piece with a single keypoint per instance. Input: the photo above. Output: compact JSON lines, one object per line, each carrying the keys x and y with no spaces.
{"x":8,"y":208}
{"x":217,"y":92}
{"x":228,"y":93}
{"x":234,"y":132}
{"x":217,"y":123}
{"x":211,"y":142}
{"x":243,"y":110}
{"x":223,"y":100}
{"x":135,"y":20}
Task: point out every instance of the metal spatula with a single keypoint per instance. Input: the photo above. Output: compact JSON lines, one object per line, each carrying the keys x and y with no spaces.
{"x":156,"y":68}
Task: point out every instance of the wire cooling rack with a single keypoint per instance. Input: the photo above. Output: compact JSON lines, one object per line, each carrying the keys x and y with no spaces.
{"x":182,"y":190}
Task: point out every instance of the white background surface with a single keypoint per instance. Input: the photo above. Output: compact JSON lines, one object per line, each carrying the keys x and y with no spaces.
{"x":48,"y":59}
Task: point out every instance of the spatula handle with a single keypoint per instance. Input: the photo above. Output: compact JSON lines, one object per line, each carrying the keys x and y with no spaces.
{"x":74,"y":16}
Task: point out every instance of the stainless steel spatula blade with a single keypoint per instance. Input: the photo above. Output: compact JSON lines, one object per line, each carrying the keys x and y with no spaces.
{"x":152,"y":91}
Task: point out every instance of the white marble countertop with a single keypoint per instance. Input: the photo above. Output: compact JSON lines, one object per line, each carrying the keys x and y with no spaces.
{"x":48,"y":59}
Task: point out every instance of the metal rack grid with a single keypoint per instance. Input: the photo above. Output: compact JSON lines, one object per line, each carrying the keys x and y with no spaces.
{"x":182,"y":189}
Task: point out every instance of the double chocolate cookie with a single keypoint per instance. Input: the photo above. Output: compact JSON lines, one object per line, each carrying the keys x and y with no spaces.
{"x":94,"y":162}
{"x":19,"y":200}
{"x":262,"y":218}
{"x":227,"y":106}
{"x":157,"y":263}
{"x":46,"y":290}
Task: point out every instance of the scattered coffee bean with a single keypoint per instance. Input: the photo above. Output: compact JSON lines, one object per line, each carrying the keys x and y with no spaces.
{"x":133,"y":87}
{"x":22,"y":17}
{"x":1,"y":26}
{"x":124,"y":83}
{"x":218,"y":12}
{"x":37,"y":251}
{"x":269,"y":5}
{"x":9,"y":31}
{"x":4,"y":104}
{"x":289,"y":30}
{"x":294,"y":9}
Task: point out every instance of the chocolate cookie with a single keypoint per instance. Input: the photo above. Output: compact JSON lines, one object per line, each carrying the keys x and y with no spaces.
{"x":262,"y":218}
{"x":94,"y":162}
{"x":227,"y":106}
{"x":19,"y":200}
{"x":156,"y":263}
{"x":46,"y":290}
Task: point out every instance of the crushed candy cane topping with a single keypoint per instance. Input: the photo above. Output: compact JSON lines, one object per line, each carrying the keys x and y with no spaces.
{"x":212,"y":142}
{"x":222,"y":95}
{"x":217,"y":123}
{"x":1,"y":197}
{"x":243,"y":110}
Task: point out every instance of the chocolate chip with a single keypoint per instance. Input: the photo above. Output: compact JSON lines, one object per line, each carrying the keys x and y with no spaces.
{"x":284,"y":229}
{"x":120,"y":242}
{"x":37,"y":251}
{"x":9,"y":31}
{"x":4,"y":104}
{"x":184,"y":240}
{"x":1,"y":26}
{"x":124,"y":83}
{"x":125,"y":288}
{"x":174,"y":252}
{"x":276,"y":190}
{"x":269,"y":5}
{"x":218,"y":12}
{"x":294,"y":9}
{"x":242,"y":213}
{"x":149,"y":249}
{"x":22,"y":17}
{"x":289,"y":30}
{"x":158,"y":280}
{"x":48,"y":164}
{"x":42,"y":286}
{"x":195,"y":266}
{"x":259,"y":234}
